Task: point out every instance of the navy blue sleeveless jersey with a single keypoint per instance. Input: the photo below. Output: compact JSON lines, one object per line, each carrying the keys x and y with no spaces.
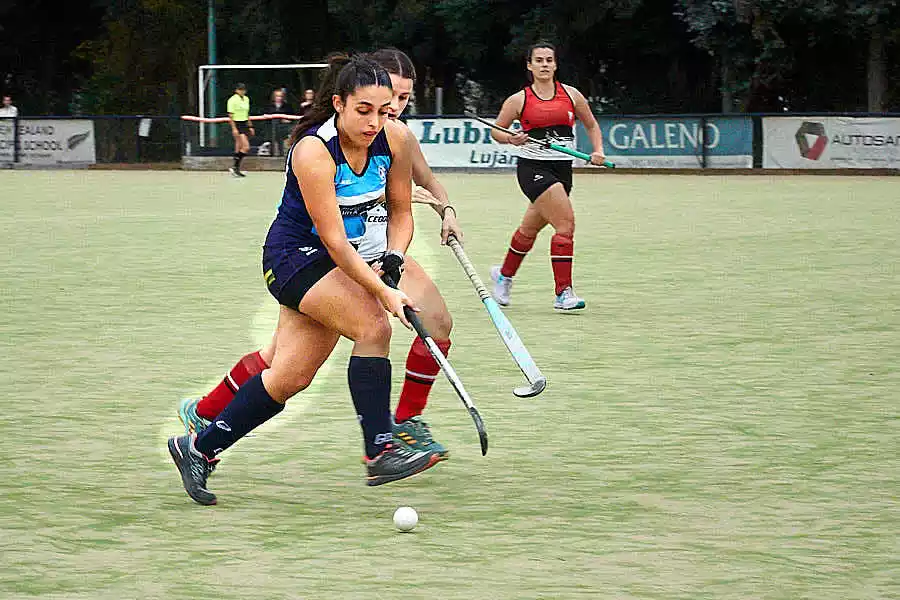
{"x":360,"y":196}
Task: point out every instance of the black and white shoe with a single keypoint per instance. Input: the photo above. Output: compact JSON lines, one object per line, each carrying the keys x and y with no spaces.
{"x":194,"y":468}
{"x":397,"y":462}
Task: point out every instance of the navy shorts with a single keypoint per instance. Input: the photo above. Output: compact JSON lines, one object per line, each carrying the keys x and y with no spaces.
{"x":243,"y":127}
{"x":536,"y":176}
{"x":291,"y":271}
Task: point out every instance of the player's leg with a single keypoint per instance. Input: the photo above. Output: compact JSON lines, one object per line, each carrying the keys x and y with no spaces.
{"x":303,"y":345}
{"x":343,"y":305}
{"x":555,"y":206}
{"x":235,"y":168}
{"x":533,"y":180}
{"x":333,"y":305}
{"x":196,"y":413}
{"x":421,"y":368}
{"x":243,"y":150}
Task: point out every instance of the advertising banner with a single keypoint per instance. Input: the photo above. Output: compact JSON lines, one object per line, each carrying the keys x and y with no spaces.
{"x":676,"y":142}
{"x":460,"y":143}
{"x":831,"y":143}
{"x":49,"y":142}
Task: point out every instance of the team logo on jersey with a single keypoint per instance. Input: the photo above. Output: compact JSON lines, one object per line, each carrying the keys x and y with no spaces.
{"x":382,"y":173}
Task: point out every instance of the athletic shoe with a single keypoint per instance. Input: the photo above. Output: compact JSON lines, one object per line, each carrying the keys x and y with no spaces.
{"x":187,"y":412}
{"x":567,"y":300}
{"x":234,"y":172}
{"x":241,"y":174}
{"x":194,"y":468}
{"x":415,"y":434}
{"x":396,"y":462}
{"x":502,"y":286}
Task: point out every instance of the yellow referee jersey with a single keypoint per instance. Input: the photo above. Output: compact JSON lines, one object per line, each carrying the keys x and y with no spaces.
{"x":239,"y":107}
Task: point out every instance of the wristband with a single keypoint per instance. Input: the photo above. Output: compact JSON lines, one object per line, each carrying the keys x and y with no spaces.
{"x":444,"y":211}
{"x":392,"y":264}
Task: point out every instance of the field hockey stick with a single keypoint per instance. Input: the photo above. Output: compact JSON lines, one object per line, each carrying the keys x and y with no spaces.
{"x":442,"y":361}
{"x":543,"y":143}
{"x":536,"y":380}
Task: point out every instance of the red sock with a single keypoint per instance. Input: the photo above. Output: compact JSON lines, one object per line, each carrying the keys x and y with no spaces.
{"x":518,"y":248}
{"x":216,"y":401}
{"x":561,"y":250}
{"x":421,"y":371}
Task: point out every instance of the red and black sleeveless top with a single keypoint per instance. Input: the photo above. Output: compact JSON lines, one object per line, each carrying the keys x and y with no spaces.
{"x":552,"y":120}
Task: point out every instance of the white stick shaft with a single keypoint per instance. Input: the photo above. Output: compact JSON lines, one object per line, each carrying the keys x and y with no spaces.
{"x":442,"y":361}
{"x":507,"y":333}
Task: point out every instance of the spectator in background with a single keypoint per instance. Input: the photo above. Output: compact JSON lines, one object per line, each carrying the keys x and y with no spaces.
{"x":281,"y":128}
{"x":8,"y":110}
{"x":307,"y":104}
{"x":279,"y":104}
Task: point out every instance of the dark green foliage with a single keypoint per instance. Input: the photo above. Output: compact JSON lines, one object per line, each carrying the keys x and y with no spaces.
{"x":127,"y":56}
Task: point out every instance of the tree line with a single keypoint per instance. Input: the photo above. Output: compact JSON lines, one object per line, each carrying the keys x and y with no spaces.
{"x":627,"y":56}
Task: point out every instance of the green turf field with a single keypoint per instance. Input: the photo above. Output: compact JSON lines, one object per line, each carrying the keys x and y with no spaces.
{"x":722,"y":422}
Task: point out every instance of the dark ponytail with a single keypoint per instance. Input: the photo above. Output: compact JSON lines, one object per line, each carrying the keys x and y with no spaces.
{"x":536,"y":46}
{"x":344,"y":76}
{"x":395,"y":62}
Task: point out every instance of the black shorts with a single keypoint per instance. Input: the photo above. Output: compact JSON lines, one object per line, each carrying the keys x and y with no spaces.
{"x":289,"y":273}
{"x":536,"y":176}
{"x":243,"y":127}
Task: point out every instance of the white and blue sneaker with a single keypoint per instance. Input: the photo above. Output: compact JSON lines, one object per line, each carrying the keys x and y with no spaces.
{"x":567,"y":300}
{"x":502,"y":286}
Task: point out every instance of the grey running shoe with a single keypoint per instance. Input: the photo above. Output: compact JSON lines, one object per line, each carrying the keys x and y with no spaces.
{"x":194,"y":468}
{"x":396,"y":462}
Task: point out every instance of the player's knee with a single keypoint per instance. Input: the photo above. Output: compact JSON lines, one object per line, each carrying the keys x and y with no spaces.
{"x":566,"y":229}
{"x":300,"y":381}
{"x":528,"y":232}
{"x":375,"y":331}
{"x":441,"y":324}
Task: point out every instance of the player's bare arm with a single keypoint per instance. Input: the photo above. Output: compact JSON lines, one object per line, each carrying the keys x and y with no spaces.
{"x":431,"y":191}
{"x":509,"y":112}
{"x":584,"y":114}
{"x":399,"y":189}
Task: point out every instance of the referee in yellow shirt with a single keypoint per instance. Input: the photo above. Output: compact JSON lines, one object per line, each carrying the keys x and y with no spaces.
{"x":241,"y":129}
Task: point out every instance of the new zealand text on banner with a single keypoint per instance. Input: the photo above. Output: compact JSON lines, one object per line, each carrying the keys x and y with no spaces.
{"x":676,"y":142}
{"x":48,"y":142}
{"x":460,"y":143}
{"x":831,"y":143}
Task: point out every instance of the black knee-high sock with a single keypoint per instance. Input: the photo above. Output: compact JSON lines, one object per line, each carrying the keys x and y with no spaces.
{"x":240,"y":158}
{"x":252,"y":406}
{"x":237,"y":160}
{"x":370,"y":387}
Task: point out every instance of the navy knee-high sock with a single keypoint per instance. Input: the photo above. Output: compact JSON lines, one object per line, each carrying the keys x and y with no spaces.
{"x":370,"y":387}
{"x":252,"y":406}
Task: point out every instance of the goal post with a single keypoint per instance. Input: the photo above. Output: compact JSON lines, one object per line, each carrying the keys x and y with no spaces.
{"x":204,"y":75}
